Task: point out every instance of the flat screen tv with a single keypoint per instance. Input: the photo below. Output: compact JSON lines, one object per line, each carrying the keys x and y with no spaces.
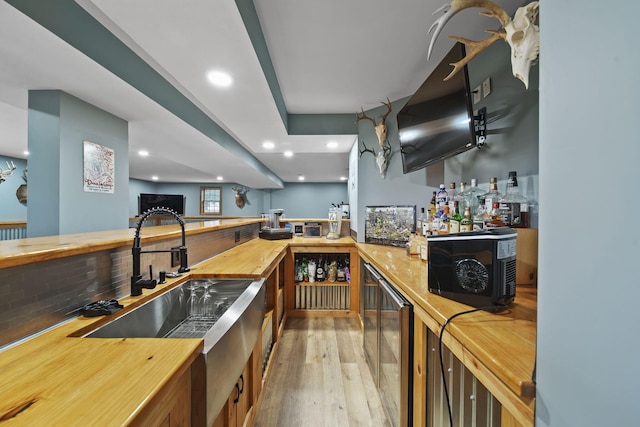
{"x":437,"y":121}
{"x":175,"y":202}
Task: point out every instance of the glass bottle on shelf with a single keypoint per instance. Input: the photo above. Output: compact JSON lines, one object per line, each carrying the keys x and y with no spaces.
{"x":460,"y":197}
{"x":466,"y":224}
{"x":444,"y":222}
{"x":347,"y":272}
{"x":495,"y":218}
{"x":456,"y":218}
{"x":433,"y":205}
{"x":333,"y":271}
{"x":305,"y":269}
{"x":452,"y":193}
{"x":299,"y":277}
{"x":442,"y":199}
{"x":479,"y":219}
{"x":514,"y":206}
{"x":473,"y":196}
{"x":493,"y":195}
{"x":420,"y":221}
{"x":340,"y":271}
{"x":320,"y":272}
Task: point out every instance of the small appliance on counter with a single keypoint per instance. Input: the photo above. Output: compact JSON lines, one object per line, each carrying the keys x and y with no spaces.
{"x":273,"y":231}
{"x":476,"y":268}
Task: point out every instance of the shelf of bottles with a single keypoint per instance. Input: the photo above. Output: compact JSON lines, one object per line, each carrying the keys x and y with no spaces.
{"x":322,"y":281}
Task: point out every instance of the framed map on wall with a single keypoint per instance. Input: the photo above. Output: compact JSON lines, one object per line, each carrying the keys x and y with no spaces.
{"x":389,"y":225}
{"x":99,"y":167}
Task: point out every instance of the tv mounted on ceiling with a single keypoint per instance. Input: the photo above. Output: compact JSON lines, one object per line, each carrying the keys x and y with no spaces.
{"x":175,"y":202}
{"x":437,"y":122}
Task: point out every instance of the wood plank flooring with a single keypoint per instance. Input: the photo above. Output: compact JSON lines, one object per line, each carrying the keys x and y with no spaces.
{"x":320,"y":378}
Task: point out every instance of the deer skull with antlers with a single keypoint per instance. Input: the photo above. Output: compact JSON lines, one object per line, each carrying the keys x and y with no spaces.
{"x":382,"y":156}
{"x":240,"y":194}
{"x":521,"y":32}
{"x":6,"y":173}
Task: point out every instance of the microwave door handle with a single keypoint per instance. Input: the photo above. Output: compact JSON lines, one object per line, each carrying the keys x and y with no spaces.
{"x":393,"y":294}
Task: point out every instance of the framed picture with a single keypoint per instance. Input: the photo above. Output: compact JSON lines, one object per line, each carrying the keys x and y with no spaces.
{"x":99,"y":167}
{"x":389,"y":225}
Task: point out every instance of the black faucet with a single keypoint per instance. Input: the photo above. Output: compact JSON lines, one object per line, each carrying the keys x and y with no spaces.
{"x":137,"y":282}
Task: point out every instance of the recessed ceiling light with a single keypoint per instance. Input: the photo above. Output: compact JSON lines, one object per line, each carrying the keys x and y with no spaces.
{"x":219,"y":78}
{"x":332,"y":144}
{"x":219,"y":178}
{"x":300,"y":178}
{"x":154,"y":177}
{"x":25,"y":152}
{"x":268,"y":145}
{"x":343,"y":178}
{"x":288,"y":153}
{"x":143,"y":153}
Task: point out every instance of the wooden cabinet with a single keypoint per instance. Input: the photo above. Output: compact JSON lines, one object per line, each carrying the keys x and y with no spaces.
{"x":172,"y":406}
{"x":325,"y":299}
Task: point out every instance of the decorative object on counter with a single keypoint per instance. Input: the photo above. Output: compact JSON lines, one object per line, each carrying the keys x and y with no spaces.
{"x":5,"y":173}
{"x":389,"y":225}
{"x":335,"y":223}
{"x":241,"y":197}
{"x":101,"y":308}
{"x":21,"y":192}
{"x":382,"y":156}
{"x":521,"y":32}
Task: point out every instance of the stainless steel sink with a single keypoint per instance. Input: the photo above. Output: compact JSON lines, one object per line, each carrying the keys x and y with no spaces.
{"x":229,"y":336}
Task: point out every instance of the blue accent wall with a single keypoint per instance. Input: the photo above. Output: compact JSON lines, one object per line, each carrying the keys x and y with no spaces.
{"x":58,"y":125}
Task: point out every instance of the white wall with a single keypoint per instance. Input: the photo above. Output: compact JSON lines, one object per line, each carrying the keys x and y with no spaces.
{"x":589,"y":246}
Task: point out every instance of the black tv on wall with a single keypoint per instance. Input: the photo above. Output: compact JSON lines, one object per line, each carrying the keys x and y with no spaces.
{"x":437,"y":122}
{"x":175,"y":202}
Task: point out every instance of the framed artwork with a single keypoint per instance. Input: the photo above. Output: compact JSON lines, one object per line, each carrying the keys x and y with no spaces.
{"x":389,"y":225}
{"x":98,"y":167}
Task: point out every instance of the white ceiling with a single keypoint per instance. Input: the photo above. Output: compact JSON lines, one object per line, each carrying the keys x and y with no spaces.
{"x":330,"y":57}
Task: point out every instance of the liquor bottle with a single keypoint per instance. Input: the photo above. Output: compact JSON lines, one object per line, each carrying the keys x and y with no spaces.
{"x":433,"y":205}
{"x":347,"y":272}
{"x":466,"y":224}
{"x":426,"y":224}
{"x":452,"y":193}
{"x":460,"y":197}
{"x":340,"y":271}
{"x":514,"y":206}
{"x":305,"y":269}
{"x":495,"y":220}
{"x":444,"y":222}
{"x":493,"y":195}
{"x":442,"y":199}
{"x":312,"y":270}
{"x":479,"y":219}
{"x":320,"y":272}
{"x":456,"y":219}
{"x":298,"y":272}
{"x":333,"y":271}
{"x":473,"y":196}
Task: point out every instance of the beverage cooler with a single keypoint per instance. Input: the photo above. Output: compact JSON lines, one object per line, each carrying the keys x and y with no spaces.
{"x":388,"y":330}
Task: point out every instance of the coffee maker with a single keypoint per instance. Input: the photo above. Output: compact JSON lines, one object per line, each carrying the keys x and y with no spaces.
{"x":273,"y":230}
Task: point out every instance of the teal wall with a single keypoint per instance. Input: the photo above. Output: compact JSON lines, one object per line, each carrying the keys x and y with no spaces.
{"x":58,"y":125}
{"x":11,"y":209}
{"x":299,"y":200}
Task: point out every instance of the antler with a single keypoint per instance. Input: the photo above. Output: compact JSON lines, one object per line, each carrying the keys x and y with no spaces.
{"x":494,"y":11}
{"x":366,"y":150}
{"x":364,"y":117}
{"x":385,"y":115}
{"x":4,"y":173}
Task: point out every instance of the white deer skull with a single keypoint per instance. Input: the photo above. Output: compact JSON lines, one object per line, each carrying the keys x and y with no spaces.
{"x":382,"y":156}
{"x":521,"y":33}
{"x":6,"y":173}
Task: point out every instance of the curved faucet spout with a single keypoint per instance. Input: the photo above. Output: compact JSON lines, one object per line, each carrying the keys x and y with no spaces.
{"x":137,"y":283}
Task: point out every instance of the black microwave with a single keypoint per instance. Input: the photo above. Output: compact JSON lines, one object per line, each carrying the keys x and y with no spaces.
{"x":477,"y":268}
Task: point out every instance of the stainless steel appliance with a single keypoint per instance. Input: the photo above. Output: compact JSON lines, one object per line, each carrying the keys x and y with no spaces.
{"x":476,"y":268}
{"x":273,"y":231}
{"x":388,"y":333}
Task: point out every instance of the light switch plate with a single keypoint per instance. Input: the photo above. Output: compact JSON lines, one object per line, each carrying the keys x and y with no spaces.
{"x":477,"y":96}
{"x":486,"y":87}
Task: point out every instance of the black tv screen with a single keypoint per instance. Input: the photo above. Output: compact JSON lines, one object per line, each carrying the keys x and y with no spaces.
{"x":175,"y":202}
{"x":437,"y":121}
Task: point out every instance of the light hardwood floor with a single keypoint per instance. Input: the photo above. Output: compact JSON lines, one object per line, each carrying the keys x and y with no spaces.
{"x":320,"y":378}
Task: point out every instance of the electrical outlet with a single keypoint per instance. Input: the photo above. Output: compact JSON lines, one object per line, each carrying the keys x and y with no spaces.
{"x":477,"y":95}
{"x":486,"y":87}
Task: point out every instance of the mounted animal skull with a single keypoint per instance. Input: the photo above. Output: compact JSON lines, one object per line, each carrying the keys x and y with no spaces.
{"x":382,"y":156}
{"x":521,"y":32}
{"x":6,"y":173}
{"x":240,"y":196}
